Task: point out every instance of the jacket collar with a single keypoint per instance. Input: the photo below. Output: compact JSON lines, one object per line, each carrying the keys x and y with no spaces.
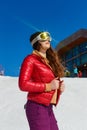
{"x":43,"y":59}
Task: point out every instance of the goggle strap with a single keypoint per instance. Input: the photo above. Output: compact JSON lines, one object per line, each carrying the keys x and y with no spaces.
{"x":38,"y":38}
{"x":34,"y":40}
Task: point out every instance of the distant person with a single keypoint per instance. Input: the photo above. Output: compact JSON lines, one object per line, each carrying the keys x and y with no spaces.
{"x":40,"y":75}
{"x":67,"y":72}
{"x":2,"y":72}
{"x":75,"y":71}
{"x":79,"y":73}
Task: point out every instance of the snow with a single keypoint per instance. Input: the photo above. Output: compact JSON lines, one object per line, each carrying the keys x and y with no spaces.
{"x":71,"y":112}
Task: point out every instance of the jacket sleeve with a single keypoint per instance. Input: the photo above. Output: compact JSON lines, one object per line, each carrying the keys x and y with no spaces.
{"x":25,"y":82}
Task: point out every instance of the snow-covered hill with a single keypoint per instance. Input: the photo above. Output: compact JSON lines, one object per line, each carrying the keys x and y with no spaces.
{"x":71,"y":112}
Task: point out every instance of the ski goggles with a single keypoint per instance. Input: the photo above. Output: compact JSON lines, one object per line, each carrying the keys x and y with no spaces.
{"x":42,"y":37}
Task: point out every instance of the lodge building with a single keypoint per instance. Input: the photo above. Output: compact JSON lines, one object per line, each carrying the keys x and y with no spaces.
{"x":73,"y":50}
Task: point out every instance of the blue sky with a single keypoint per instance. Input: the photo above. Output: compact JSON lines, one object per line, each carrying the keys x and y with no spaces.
{"x":20,"y":18}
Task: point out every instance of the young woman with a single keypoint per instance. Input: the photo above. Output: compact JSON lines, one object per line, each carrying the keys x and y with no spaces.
{"x":40,"y":76}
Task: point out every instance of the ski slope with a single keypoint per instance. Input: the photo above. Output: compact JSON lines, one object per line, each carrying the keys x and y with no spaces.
{"x":71,"y":112}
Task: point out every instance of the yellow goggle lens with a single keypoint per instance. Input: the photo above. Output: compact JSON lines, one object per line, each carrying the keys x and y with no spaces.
{"x":44,"y":36}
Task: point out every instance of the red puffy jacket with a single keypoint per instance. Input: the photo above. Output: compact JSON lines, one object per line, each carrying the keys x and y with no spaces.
{"x":34,"y":74}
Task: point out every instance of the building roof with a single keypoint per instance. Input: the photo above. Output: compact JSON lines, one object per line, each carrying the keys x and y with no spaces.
{"x":73,"y":40}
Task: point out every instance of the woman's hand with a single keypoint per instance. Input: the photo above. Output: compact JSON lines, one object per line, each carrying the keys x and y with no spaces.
{"x":62,"y":86}
{"x":55,"y":83}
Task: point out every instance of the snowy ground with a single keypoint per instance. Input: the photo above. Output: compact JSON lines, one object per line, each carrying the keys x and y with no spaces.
{"x":71,"y":112}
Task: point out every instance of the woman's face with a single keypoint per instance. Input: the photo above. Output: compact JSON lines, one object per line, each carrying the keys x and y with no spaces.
{"x":45,"y":45}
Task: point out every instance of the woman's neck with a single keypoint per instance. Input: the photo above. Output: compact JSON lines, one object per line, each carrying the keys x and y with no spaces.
{"x":42,"y":53}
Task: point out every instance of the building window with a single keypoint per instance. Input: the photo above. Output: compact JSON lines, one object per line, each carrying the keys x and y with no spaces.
{"x":68,"y":55}
{"x":76,"y":61}
{"x":75,"y":51}
{"x":69,"y":65}
{"x":83,"y":58}
{"x":83,"y":47}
